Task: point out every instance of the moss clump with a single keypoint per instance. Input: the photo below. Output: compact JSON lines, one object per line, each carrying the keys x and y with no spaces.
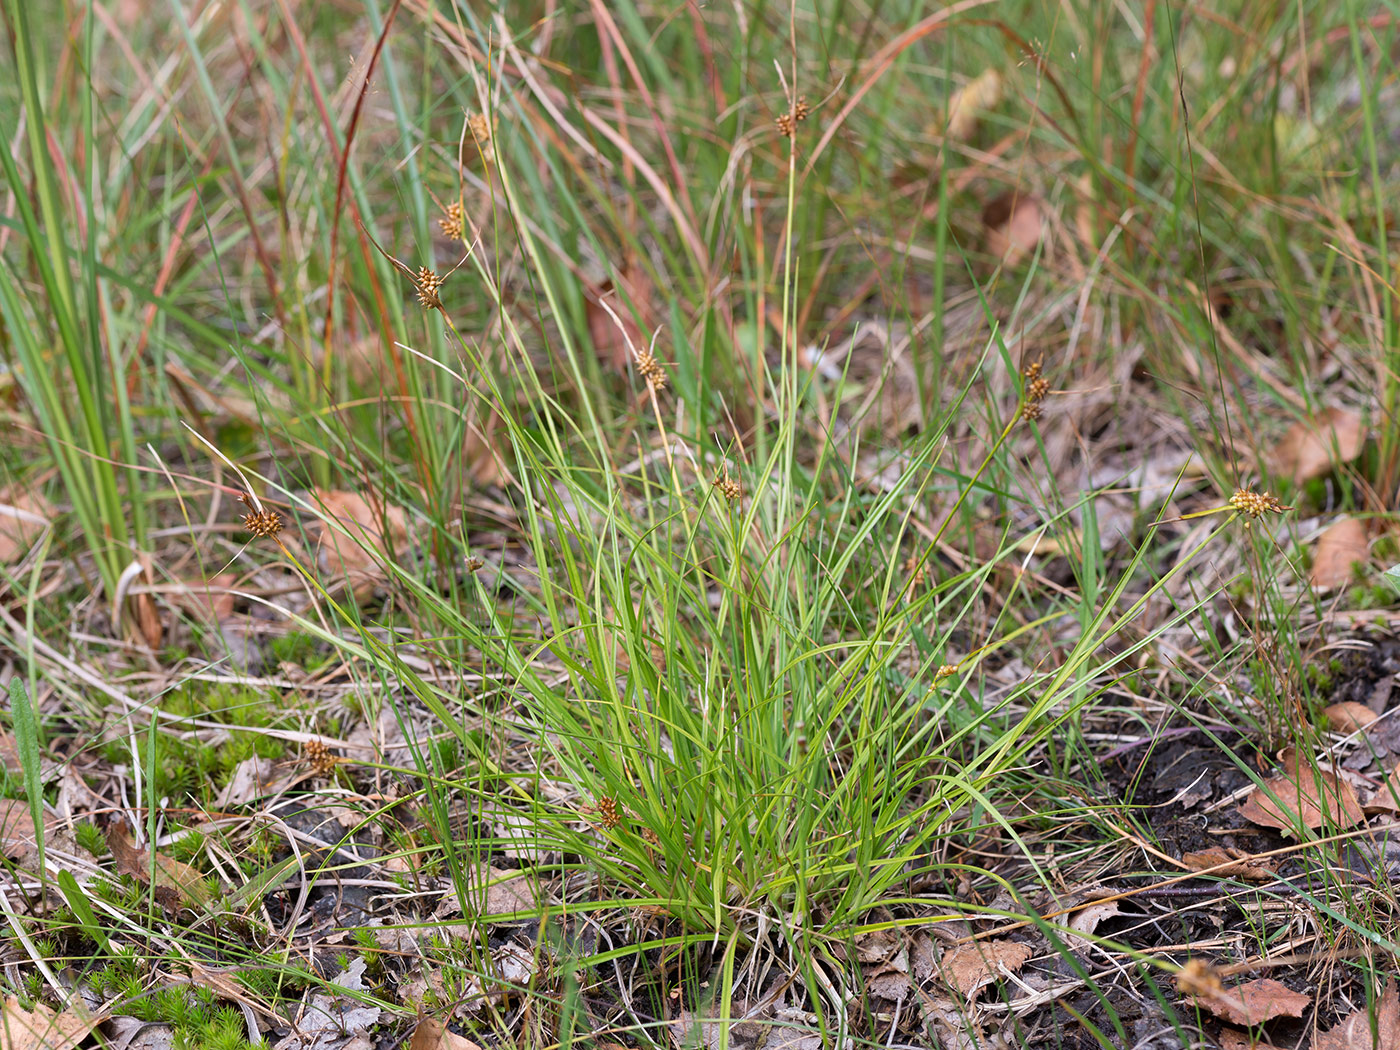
{"x":182,"y":767}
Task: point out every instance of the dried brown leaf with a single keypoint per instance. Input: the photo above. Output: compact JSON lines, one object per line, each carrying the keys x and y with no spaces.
{"x":507,"y":892}
{"x":615,"y":345}
{"x":1386,"y":798}
{"x":433,"y":1035}
{"x":251,"y":779}
{"x":1348,"y":716}
{"x":1312,"y":448}
{"x":1086,"y":920}
{"x":972,"y":967}
{"x":1253,"y":1002}
{"x":1234,"y":1039}
{"x":17,"y":839}
{"x":889,"y":984}
{"x":371,"y":531}
{"x":9,"y":753}
{"x":1355,"y":1032}
{"x":174,"y":882}
{"x":1313,"y":799}
{"x":148,"y":620}
{"x":24,"y":515}
{"x":40,"y":1028}
{"x":1239,"y":864}
{"x":875,"y":946}
{"x":482,"y":449}
{"x":1015,"y":222}
{"x":1342,"y":545}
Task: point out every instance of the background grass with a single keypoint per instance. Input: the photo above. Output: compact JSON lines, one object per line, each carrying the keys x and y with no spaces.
{"x":706,"y":562}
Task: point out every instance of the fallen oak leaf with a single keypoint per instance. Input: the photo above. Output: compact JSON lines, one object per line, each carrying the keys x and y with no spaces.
{"x":1234,"y":1039}
{"x":968,"y":104}
{"x":1311,"y":800}
{"x":1386,"y":798}
{"x":173,"y":882}
{"x":41,"y":1028}
{"x":1237,"y":863}
{"x":24,"y":516}
{"x":1251,"y":1003}
{"x":1015,"y":222}
{"x":365,"y":532}
{"x":432,"y":1034}
{"x":972,"y":967}
{"x":1348,"y":716}
{"x":1086,"y":920}
{"x":1342,"y":545}
{"x":1355,"y":1033}
{"x":1311,"y":449}
{"x":615,"y":337}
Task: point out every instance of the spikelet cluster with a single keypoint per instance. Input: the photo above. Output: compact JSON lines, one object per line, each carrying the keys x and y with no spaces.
{"x":651,"y":370}
{"x":452,"y":223}
{"x":1037,"y":386}
{"x":787,"y":122}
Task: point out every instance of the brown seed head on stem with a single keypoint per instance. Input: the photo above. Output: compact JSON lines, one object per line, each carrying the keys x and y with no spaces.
{"x":428,"y":283}
{"x":1256,"y":504}
{"x":452,"y":224}
{"x":651,"y":370}
{"x":263,"y":523}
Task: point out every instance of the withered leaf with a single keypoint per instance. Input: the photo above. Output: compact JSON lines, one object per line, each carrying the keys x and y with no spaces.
{"x":17,"y":838}
{"x":1355,"y":1032}
{"x":1234,"y":1039}
{"x":1238,"y":863}
{"x":1015,"y":222}
{"x":615,"y":345}
{"x":1348,"y":716}
{"x":40,"y":1028}
{"x":24,"y":516}
{"x":1343,"y":544}
{"x":432,"y":1034}
{"x":972,"y":967}
{"x":1086,"y":920}
{"x":173,"y":882}
{"x":1253,"y":1002}
{"x":1311,"y":448}
{"x":1314,"y":799}
{"x":365,"y":532}
{"x":967,"y":104}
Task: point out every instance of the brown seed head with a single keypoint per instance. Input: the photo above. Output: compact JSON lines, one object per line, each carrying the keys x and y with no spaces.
{"x":608,"y":814}
{"x":263,"y":523}
{"x":474,"y":563}
{"x":1256,"y":504}
{"x":428,"y":284}
{"x":945,"y":671}
{"x":320,"y":757}
{"x":651,"y":370}
{"x":787,"y":122}
{"x":1198,"y":977}
{"x":728,"y":487}
{"x":917,"y":570}
{"x":452,"y":224}
{"x":480,"y":128}
{"x":1037,"y":386}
